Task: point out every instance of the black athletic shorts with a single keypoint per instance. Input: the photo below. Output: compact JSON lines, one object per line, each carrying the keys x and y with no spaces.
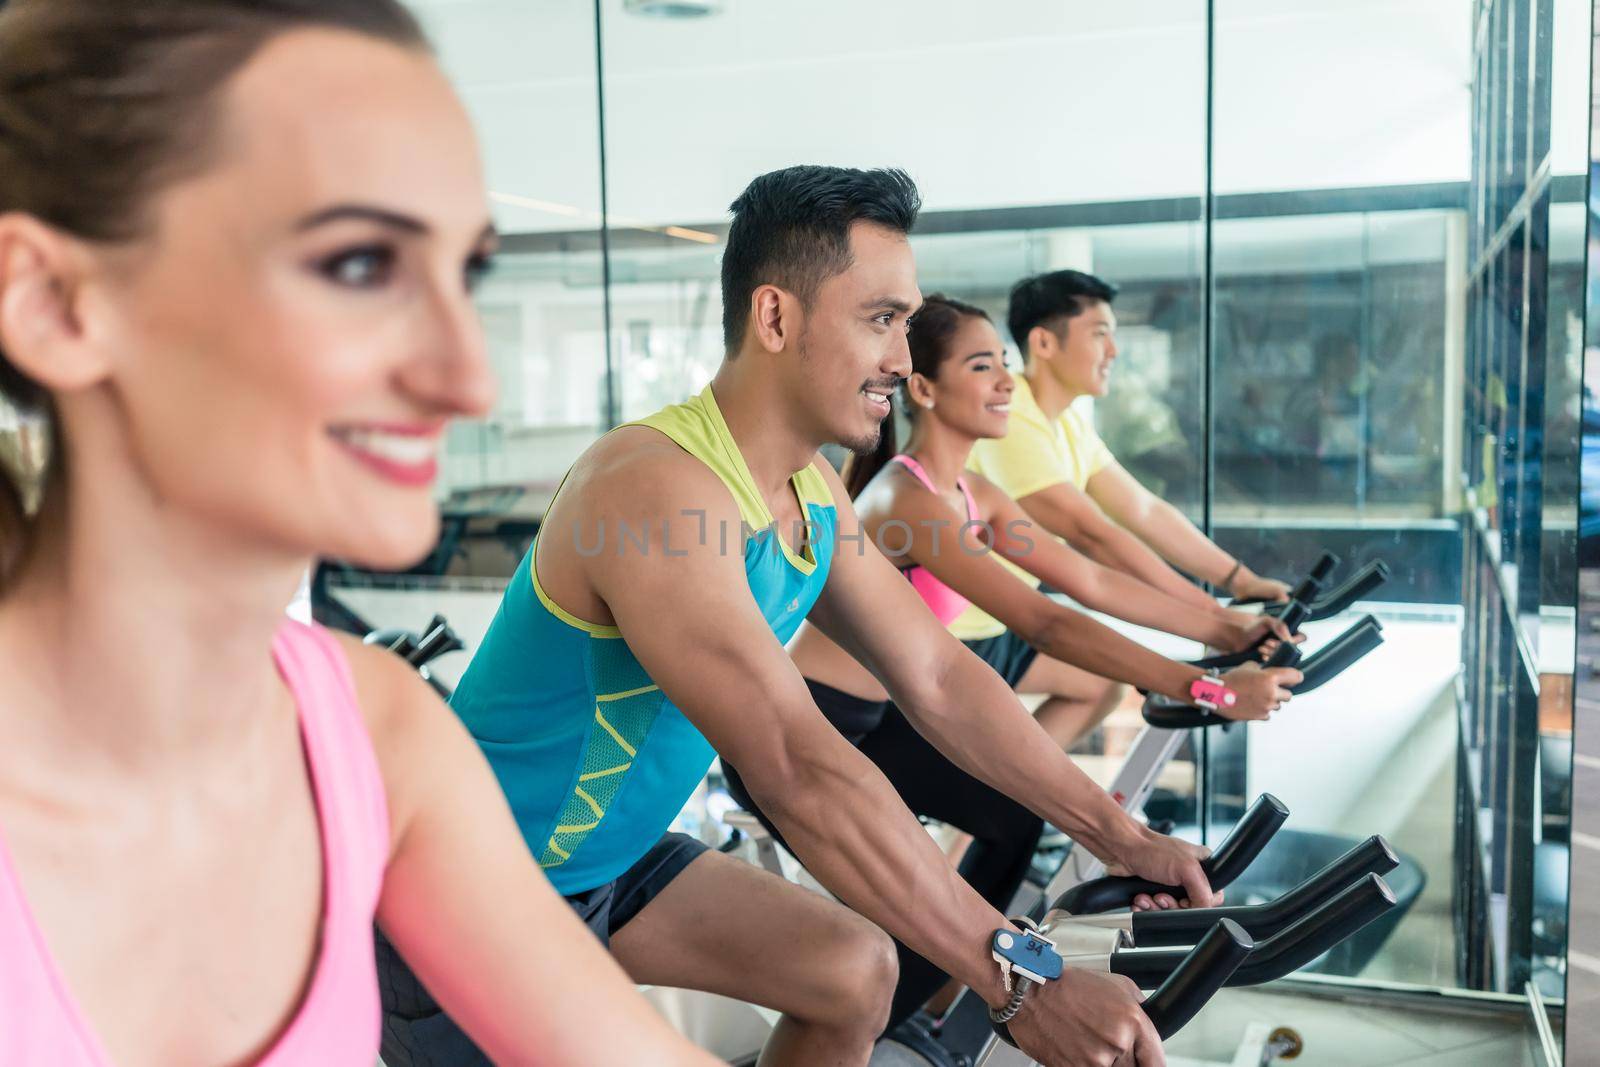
{"x":1008,"y":654}
{"x":608,"y":908}
{"x":854,"y":717}
{"x":417,"y":1032}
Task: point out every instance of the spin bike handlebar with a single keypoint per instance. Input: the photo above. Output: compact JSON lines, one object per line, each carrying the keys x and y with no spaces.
{"x":1332,"y":658}
{"x":1187,"y":955}
{"x":1203,"y":970}
{"x":1305,"y":592}
{"x":1352,"y":908}
{"x":1316,"y":671}
{"x":1292,"y":612}
{"x":1289,"y":932}
{"x":1236,"y":852}
{"x":1356,"y":587}
{"x":437,"y":639}
{"x":1181,"y":926}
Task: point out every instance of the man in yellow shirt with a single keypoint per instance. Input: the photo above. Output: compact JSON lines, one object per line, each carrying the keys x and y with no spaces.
{"x":1053,"y":463}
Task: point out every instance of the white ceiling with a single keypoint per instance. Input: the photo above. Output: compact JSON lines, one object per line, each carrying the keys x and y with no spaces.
{"x":1004,"y":103}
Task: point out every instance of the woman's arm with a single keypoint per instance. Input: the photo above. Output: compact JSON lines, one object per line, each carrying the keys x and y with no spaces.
{"x":1035,"y":550}
{"x":1054,"y":629}
{"x":469,"y":909}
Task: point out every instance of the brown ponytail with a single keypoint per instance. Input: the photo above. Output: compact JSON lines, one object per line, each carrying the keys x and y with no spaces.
{"x":103,"y":103}
{"x":929,"y":339}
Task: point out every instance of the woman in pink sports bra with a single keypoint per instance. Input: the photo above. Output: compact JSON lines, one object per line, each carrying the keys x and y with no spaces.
{"x":945,"y":603}
{"x":236,"y":244}
{"x":915,"y":505}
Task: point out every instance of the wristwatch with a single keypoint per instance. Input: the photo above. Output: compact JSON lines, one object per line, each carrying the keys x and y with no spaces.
{"x":1027,"y":958}
{"x":1208,"y":692}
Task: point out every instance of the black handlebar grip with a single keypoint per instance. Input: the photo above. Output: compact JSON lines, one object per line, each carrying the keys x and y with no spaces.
{"x":400,"y":642}
{"x":1287,"y":655}
{"x":1226,"y":661}
{"x":1181,"y":926}
{"x":1314,"y":580}
{"x":1283,"y":953}
{"x":1206,"y":969}
{"x":1295,"y":613}
{"x":1168,"y":714}
{"x":1324,"y":566}
{"x":440,"y":639}
{"x":1306,"y":590}
{"x":1237,"y":851}
{"x":1241,"y":847}
{"x":1339,"y":654}
{"x":1287,"y":952}
{"x":1359,"y":585}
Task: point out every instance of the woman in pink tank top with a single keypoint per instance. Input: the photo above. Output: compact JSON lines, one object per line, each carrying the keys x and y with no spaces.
{"x":945,"y":603}
{"x":946,"y":527}
{"x":236,"y":242}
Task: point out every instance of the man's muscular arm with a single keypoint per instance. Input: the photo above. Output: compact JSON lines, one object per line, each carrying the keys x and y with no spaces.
{"x":690,"y":620}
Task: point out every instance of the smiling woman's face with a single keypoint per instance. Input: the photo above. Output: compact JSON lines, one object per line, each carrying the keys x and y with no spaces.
{"x":287,"y":344}
{"x":972,"y":393}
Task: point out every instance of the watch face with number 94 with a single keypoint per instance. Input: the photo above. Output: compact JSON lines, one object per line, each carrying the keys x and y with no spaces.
{"x":1028,"y":954}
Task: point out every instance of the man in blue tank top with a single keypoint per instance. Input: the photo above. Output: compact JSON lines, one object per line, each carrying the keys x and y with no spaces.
{"x":643,"y":634}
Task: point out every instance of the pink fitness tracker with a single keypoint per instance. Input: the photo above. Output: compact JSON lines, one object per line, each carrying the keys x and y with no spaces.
{"x":1208,"y":692}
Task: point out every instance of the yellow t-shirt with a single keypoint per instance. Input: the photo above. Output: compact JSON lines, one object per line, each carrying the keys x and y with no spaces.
{"x":1036,"y":453}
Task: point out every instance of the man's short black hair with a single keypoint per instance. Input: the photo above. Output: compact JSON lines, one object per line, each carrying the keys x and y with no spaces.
{"x":1051,"y":299}
{"x":791,"y":228}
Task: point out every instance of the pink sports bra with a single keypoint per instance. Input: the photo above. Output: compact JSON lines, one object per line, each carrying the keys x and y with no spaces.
{"x":943,"y":601}
{"x":339,"y":1020}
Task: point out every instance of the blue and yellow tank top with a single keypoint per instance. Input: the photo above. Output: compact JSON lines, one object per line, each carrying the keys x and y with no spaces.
{"x":593,"y":757}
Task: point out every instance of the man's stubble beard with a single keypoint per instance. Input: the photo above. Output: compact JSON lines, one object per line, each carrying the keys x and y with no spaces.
{"x":860,"y":446}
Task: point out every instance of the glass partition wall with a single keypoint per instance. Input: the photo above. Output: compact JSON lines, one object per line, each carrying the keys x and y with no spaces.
{"x":1349,"y":245}
{"x":1583,"y":955}
{"x":1400,"y":383}
{"x":1519,"y":480}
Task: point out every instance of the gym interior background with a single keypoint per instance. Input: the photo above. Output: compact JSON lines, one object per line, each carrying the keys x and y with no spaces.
{"x":1350,"y":240}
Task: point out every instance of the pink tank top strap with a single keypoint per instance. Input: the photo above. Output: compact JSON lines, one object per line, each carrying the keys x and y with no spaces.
{"x":945,"y":603}
{"x":345,"y":771}
{"x":972,"y":505}
{"x":921,"y":475}
{"x":340,"y":1019}
{"x":341,"y":1016}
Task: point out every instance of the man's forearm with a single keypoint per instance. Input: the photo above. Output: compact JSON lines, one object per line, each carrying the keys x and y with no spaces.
{"x":1125,"y":552}
{"x":1177,"y":540}
{"x":856,"y":837}
{"x":1113,"y":545}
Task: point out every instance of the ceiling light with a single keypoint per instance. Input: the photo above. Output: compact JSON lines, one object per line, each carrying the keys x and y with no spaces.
{"x":619,"y":222}
{"x":673,"y":9}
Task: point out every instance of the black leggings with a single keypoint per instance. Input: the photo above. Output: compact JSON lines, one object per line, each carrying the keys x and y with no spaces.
{"x":1005,"y":834}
